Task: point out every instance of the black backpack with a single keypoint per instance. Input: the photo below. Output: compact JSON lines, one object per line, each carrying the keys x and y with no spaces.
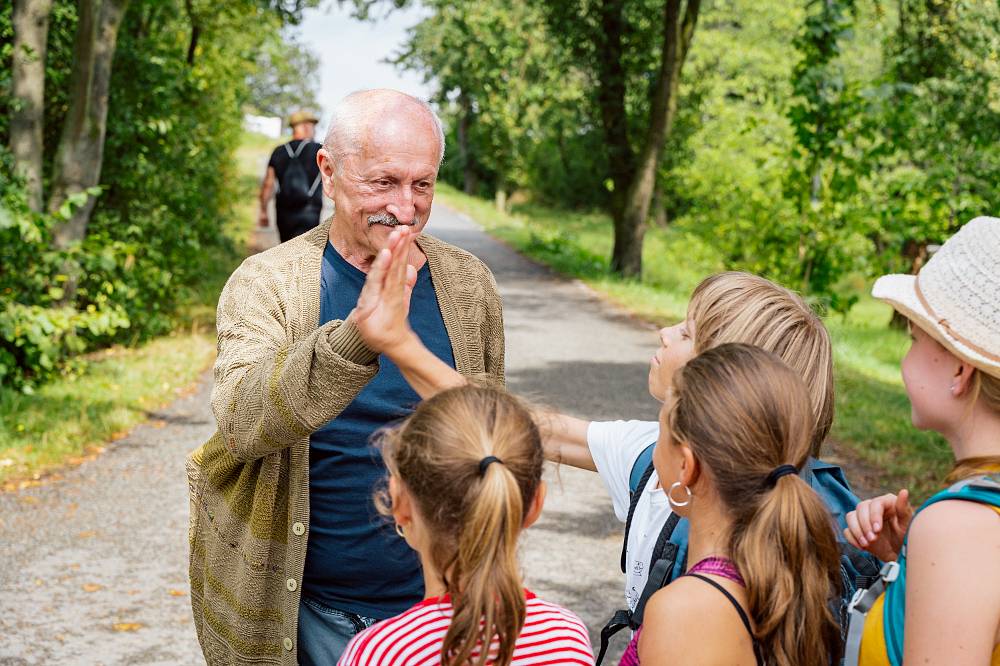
{"x":294,"y":188}
{"x":858,"y":569}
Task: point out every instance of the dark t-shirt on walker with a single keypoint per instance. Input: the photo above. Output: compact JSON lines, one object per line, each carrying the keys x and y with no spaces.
{"x":355,"y":561}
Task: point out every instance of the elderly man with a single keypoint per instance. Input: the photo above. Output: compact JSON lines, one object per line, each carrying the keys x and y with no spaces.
{"x":289,"y":557}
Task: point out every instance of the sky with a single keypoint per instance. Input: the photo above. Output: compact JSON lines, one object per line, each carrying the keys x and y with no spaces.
{"x":352,"y":52}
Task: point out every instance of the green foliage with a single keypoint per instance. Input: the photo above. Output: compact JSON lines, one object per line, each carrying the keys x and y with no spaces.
{"x":38,"y":335}
{"x":511,"y":97}
{"x":182,"y":74}
{"x":815,"y":142}
{"x":282,"y":81}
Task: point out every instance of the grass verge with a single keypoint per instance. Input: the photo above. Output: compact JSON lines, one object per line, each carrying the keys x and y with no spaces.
{"x":69,"y":420}
{"x":872,"y":434}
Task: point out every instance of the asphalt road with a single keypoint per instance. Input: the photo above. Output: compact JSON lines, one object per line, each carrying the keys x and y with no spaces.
{"x":94,"y":565}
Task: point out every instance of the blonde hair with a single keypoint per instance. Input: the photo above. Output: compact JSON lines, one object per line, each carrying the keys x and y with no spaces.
{"x":986,"y":388}
{"x":743,"y":413}
{"x":475,"y":515}
{"x":741,"y":307}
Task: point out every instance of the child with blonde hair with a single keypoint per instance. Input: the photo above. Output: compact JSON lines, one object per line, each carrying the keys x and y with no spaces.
{"x":941,"y":581}
{"x":465,"y":480}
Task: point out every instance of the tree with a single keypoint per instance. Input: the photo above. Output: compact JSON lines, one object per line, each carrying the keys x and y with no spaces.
{"x":79,"y":157}
{"x":284,"y":78}
{"x":27,"y":119}
{"x":497,"y":73}
{"x":607,"y":36}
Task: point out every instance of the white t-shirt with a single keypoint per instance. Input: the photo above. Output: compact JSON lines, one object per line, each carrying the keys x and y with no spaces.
{"x":615,"y":446}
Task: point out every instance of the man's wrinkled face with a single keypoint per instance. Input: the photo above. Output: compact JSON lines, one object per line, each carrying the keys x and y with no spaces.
{"x":387,"y":182}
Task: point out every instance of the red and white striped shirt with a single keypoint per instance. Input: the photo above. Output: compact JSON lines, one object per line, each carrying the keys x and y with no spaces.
{"x":551,"y":635}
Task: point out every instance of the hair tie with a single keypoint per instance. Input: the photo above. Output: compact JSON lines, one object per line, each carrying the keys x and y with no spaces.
{"x":485,"y":462}
{"x":777,"y":473}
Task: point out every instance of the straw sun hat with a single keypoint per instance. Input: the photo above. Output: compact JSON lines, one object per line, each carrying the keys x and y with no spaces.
{"x":956,"y":296}
{"x":302,"y":116}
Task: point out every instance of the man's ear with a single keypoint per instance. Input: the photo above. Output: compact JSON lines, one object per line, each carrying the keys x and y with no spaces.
{"x":961,"y":381}
{"x":327,"y":166}
{"x":402,"y":504}
{"x":690,"y":469}
{"x":537,"y":502}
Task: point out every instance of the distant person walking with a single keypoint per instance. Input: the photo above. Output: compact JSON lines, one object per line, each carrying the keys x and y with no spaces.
{"x":299,"y":190}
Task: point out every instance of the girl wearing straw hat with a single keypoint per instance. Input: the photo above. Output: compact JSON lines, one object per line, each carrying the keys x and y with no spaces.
{"x":950,"y":550}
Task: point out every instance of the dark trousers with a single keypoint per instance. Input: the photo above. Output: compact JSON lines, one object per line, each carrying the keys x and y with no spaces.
{"x":297,"y":222}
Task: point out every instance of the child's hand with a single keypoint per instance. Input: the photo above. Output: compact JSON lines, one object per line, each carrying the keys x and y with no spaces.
{"x":384,"y":302}
{"x":879,"y":525}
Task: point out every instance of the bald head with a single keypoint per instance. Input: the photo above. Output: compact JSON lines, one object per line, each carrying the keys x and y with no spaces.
{"x":367,"y":113}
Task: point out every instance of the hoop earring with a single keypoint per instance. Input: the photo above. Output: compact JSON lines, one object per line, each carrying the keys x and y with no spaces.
{"x":672,"y":501}
{"x":399,"y":531}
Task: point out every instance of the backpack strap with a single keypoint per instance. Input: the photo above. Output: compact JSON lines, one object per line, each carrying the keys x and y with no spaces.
{"x":312,"y":190}
{"x":661,"y":566}
{"x":620,"y":620}
{"x":636,"y":488}
{"x":661,"y":571}
{"x":858,"y":609}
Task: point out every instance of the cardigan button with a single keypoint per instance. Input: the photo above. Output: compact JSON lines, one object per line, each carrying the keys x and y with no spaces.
{"x":298,"y":529}
{"x":290,"y":584}
{"x":287,"y":642}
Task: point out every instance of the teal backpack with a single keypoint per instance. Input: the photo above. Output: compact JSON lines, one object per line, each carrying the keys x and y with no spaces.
{"x":984,"y":489}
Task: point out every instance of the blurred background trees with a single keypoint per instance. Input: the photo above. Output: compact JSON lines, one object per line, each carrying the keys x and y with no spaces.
{"x":809,"y":141}
{"x":817,"y":142}
{"x":118,"y":123}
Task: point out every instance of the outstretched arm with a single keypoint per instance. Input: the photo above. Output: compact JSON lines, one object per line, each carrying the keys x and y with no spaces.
{"x":565,"y":439}
{"x":381,"y":318}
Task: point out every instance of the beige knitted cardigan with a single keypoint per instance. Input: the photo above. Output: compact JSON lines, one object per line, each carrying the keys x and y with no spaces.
{"x":279,"y":377}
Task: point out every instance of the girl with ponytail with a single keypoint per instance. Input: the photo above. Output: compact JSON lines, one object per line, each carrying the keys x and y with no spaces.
{"x":735,"y":429}
{"x":464,"y":480}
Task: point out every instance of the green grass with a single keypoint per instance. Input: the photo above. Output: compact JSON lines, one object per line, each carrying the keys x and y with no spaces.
{"x":872,"y":435}
{"x":68,"y":420}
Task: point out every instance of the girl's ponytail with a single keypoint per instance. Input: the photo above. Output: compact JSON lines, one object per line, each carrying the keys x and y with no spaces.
{"x":786,"y":551}
{"x":486,"y":570}
{"x":475,"y":507}
{"x":747,"y":417}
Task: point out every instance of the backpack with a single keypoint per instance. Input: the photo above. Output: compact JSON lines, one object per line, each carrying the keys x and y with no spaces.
{"x":858,"y":569}
{"x":984,"y":489}
{"x":294,"y":188}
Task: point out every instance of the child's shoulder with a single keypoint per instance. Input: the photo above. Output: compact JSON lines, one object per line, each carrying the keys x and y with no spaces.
{"x":558,"y":631}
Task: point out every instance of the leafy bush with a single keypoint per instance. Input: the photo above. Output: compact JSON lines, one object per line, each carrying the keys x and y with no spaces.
{"x":38,"y":333}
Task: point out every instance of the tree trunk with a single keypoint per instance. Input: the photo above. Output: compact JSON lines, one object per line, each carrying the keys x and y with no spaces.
{"x":470,"y":184}
{"x":659,"y":213}
{"x":500,"y":198}
{"x":195,"y":32}
{"x":611,"y":99}
{"x":31,"y":29}
{"x":77,"y":165}
{"x":629,"y":232}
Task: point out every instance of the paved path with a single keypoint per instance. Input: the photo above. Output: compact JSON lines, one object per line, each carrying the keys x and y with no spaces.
{"x":94,"y":565}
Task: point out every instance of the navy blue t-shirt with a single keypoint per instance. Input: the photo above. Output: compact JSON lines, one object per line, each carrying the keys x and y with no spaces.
{"x":355,"y":560}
